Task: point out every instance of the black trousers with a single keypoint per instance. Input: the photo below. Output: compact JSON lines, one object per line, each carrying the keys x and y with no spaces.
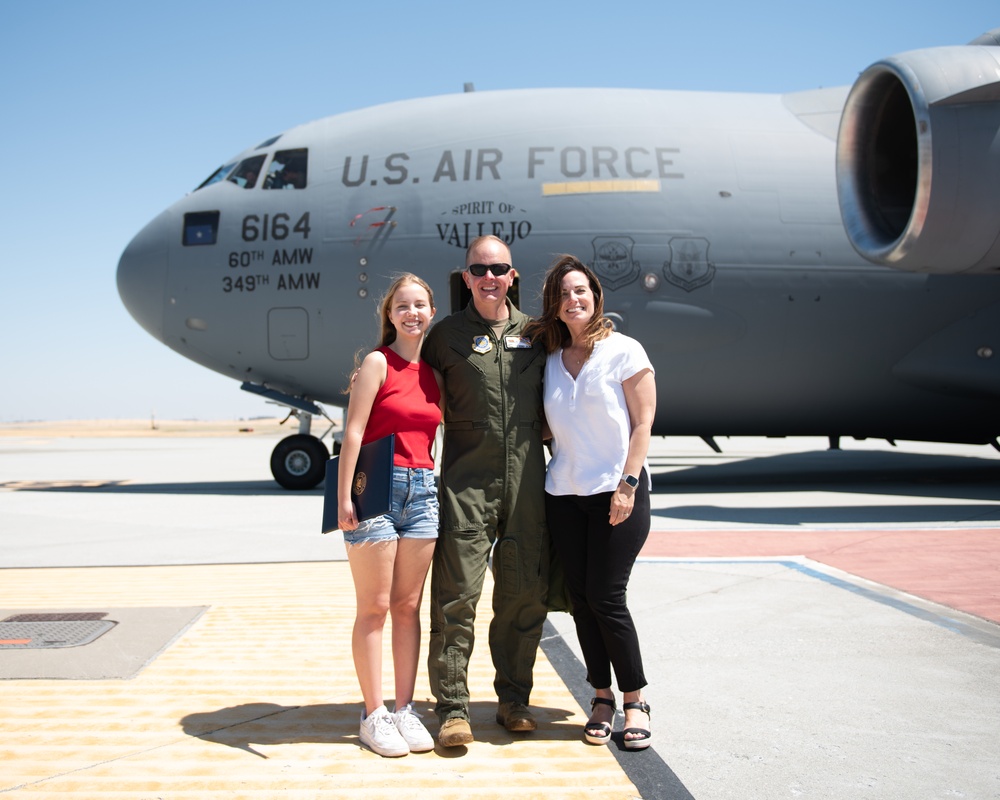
{"x":597,"y":561}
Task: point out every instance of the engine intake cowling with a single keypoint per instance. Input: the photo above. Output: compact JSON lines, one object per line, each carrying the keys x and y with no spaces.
{"x":918,"y":161}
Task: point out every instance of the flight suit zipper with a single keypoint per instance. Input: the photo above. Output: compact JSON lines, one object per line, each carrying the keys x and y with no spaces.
{"x":503,"y":400}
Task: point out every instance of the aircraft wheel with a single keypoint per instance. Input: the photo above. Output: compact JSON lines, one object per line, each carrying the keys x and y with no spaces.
{"x":299,"y":462}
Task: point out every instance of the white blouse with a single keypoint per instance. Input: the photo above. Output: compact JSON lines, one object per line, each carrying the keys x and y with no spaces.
{"x":589,"y":418}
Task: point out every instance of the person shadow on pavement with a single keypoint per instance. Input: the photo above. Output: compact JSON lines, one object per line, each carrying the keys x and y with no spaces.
{"x":267,"y":724}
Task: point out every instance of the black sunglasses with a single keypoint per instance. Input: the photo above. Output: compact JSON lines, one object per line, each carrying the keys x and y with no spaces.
{"x":479,"y":270}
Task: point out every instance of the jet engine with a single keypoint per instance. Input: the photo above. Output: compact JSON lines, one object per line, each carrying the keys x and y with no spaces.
{"x":918,"y":160}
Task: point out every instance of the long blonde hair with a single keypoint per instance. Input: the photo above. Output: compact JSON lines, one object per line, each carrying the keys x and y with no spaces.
{"x":387,"y":331}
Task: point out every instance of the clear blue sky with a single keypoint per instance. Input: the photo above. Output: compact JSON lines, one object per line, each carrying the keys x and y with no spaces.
{"x":113,"y":110}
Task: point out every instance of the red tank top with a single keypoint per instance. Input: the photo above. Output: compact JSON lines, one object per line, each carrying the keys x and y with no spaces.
{"x":407,"y":405}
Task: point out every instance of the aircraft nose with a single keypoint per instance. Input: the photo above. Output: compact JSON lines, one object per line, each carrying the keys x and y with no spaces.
{"x":142,"y":275}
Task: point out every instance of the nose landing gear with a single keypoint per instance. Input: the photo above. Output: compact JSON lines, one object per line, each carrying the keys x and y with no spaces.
{"x":299,"y":461}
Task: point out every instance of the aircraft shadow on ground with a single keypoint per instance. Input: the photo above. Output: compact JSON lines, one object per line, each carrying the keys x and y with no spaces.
{"x":836,"y":515}
{"x":904,"y":475}
{"x":868,"y":472}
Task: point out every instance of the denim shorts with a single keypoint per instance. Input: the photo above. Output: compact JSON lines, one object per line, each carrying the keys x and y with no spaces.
{"x":413,"y":510}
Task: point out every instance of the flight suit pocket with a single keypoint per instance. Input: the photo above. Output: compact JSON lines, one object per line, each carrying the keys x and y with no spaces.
{"x":506,"y":568}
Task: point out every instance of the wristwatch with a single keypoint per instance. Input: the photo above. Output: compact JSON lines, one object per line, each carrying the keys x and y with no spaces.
{"x":630,"y":480}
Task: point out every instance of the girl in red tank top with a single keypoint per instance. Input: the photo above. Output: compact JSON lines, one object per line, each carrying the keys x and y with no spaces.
{"x":393,"y":391}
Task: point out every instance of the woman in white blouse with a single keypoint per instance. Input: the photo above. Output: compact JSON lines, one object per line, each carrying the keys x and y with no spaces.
{"x":600,"y":399}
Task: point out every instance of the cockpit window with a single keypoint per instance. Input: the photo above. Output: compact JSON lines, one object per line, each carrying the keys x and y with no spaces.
{"x":268,"y":142}
{"x":246,"y":173}
{"x":216,"y":176}
{"x":288,"y":170}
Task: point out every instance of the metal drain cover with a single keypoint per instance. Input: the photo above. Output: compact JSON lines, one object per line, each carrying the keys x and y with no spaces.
{"x":47,"y":631}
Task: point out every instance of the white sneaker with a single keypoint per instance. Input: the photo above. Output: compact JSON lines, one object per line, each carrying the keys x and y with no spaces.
{"x":378,"y":733}
{"x":412,"y":729}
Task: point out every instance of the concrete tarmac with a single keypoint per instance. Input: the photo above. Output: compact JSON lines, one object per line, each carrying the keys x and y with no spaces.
{"x":815,"y":623}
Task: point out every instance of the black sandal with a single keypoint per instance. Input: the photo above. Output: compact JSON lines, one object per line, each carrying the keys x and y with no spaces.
{"x":645,"y":736}
{"x":605,"y":729}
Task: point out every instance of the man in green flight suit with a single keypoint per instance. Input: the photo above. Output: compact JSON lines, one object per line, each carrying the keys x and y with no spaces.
{"x":492,"y":491}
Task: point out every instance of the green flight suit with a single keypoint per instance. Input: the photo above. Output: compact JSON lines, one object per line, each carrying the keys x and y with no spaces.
{"x":492,"y":490}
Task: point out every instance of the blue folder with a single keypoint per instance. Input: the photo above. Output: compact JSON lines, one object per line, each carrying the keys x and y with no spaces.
{"x":371,"y":487}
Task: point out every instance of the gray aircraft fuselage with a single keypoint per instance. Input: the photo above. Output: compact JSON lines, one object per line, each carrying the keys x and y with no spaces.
{"x":718,"y":224}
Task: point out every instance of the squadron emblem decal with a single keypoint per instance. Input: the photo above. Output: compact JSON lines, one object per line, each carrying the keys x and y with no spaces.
{"x":613,"y":262}
{"x":689,"y":267}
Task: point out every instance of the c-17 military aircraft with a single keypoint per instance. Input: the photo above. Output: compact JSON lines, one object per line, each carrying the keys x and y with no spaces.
{"x":815,"y":263}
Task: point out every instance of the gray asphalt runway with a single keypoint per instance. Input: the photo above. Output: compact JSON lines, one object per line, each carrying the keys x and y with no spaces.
{"x":212,"y":500}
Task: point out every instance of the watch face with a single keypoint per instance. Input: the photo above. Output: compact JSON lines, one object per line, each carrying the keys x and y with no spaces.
{"x":631,"y":480}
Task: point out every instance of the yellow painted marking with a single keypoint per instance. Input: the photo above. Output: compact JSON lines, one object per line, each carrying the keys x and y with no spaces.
{"x":599,"y":187}
{"x":230,"y":709}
